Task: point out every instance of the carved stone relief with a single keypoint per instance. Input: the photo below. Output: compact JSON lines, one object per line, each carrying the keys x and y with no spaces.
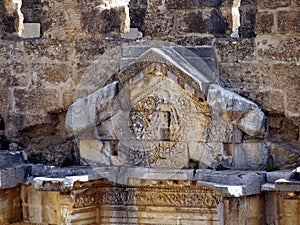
{"x":163,"y":110}
{"x":159,"y":121}
{"x":202,"y":197}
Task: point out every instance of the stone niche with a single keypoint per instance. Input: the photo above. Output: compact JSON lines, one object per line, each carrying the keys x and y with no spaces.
{"x":165,"y":109}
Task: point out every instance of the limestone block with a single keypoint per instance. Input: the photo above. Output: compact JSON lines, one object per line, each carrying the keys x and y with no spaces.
{"x":251,"y":155}
{"x":106,"y":17}
{"x":41,"y":207}
{"x":94,"y":153}
{"x":287,"y":22}
{"x":253,"y":123}
{"x":201,"y":22}
{"x":36,"y":101}
{"x":245,"y":210}
{"x":12,"y":176}
{"x":190,"y":4}
{"x":86,"y":113}
{"x":286,"y":49}
{"x":10,"y":158}
{"x":284,"y":156}
{"x":223,"y":100}
{"x":264,"y":23}
{"x":271,"y":177}
{"x":209,"y":154}
{"x":273,"y":4}
{"x":31,"y":30}
{"x":10,"y":206}
{"x":237,"y":110}
{"x":221,"y":130}
{"x":233,"y":50}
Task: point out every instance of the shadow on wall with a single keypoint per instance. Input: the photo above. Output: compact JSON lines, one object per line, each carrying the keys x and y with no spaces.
{"x":137,"y":12}
{"x":4,"y":145}
{"x":15,"y":23}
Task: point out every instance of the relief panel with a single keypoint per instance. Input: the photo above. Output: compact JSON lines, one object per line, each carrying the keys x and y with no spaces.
{"x":154,"y":120}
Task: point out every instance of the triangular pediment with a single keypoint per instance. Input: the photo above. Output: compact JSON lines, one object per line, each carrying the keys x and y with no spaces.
{"x":190,"y":68}
{"x":165,"y":109}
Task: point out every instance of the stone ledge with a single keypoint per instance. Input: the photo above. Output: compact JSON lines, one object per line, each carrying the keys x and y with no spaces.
{"x":287,"y":185}
{"x":12,"y":176}
{"x":268,"y":187}
{"x":229,"y":183}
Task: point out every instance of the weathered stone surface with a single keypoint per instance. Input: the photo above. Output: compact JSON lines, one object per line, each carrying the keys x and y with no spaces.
{"x":11,"y":177}
{"x":153,"y":27}
{"x":10,"y":206}
{"x":247,"y":12}
{"x":210,"y":154}
{"x":94,"y":153}
{"x":82,"y":114}
{"x":282,"y":129}
{"x":133,"y":34}
{"x":105,"y":17}
{"x":5,"y":99}
{"x":264,"y":23}
{"x":236,"y":213}
{"x":201,"y":22}
{"x":253,"y":123}
{"x":269,"y":100}
{"x":234,"y":51}
{"x":9,"y":158}
{"x":286,"y":78}
{"x":36,"y":100}
{"x":34,"y":202}
{"x":282,"y":50}
{"x":242,"y":112}
{"x":285,"y":204}
{"x":272,"y":4}
{"x":287,"y":22}
{"x":284,"y":156}
{"x":178,"y":4}
{"x":48,"y":49}
{"x":251,"y":155}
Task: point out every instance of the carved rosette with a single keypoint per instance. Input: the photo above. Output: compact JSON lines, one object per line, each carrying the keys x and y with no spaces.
{"x":156,"y":122}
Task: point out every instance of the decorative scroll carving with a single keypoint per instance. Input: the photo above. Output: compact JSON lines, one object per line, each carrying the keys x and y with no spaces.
{"x":199,"y":198}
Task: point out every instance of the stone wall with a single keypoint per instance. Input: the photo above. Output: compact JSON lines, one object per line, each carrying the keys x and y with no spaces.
{"x":80,"y":48}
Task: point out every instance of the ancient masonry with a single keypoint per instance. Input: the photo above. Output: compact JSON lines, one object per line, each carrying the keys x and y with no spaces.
{"x":156,"y":112}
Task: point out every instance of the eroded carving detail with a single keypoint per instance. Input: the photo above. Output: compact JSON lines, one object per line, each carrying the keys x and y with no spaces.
{"x":154,"y":118}
{"x":184,"y":197}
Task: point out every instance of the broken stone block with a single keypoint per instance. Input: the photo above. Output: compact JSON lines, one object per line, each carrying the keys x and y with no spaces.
{"x":237,"y":110}
{"x":85,"y":114}
{"x":253,"y":123}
